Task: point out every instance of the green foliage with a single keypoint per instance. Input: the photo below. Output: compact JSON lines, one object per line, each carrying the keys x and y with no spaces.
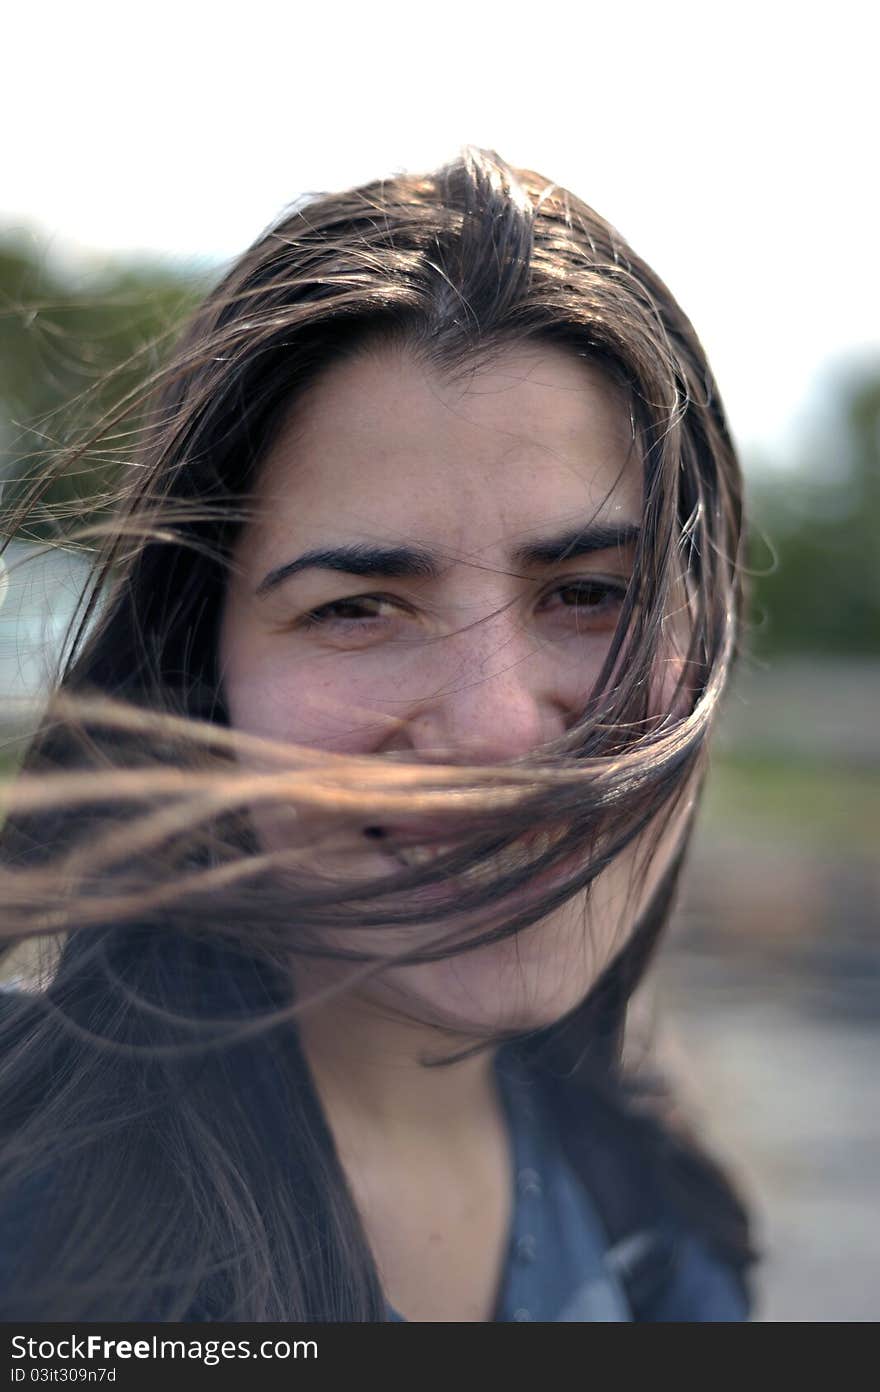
{"x":822,"y":595}
{"x":72,"y":349}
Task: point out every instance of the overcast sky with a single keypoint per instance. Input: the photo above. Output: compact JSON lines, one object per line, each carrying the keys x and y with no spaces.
{"x":734,"y":147}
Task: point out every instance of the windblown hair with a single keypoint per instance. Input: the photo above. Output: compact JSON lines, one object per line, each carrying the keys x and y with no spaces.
{"x":163,"y":1147}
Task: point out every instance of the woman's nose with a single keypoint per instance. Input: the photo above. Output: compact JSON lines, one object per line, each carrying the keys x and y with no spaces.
{"x":493,"y":704}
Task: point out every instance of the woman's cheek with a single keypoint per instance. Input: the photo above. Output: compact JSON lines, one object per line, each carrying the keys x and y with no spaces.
{"x":297,"y":707}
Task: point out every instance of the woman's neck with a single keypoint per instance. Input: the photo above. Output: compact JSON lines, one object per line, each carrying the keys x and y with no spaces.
{"x":426,"y":1154}
{"x":369,"y":1068}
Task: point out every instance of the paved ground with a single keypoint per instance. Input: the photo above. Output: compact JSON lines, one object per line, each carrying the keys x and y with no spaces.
{"x":784,"y":1058}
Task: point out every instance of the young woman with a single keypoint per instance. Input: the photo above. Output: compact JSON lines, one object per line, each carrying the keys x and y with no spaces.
{"x":362,"y":801}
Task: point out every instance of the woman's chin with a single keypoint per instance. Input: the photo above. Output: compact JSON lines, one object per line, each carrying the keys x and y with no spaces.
{"x":523,"y":982}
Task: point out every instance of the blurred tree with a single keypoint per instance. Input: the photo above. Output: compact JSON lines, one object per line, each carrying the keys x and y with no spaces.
{"x":823,"y":523}
{"x":71,"y":348}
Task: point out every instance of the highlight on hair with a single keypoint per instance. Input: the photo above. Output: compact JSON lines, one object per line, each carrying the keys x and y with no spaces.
{"x":144,"y":1068}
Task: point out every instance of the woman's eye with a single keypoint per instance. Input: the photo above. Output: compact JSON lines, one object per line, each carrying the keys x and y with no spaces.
{"x":590,"y":601}
{"x":344,"y":611}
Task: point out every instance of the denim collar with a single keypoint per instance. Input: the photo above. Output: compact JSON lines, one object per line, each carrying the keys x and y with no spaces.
{"x":556,"y":1268}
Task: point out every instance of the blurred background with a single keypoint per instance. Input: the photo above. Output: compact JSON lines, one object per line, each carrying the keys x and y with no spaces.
{"x":734,"y":153}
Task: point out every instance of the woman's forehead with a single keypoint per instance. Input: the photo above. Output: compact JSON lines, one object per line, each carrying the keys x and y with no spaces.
{"x":388,"y":445}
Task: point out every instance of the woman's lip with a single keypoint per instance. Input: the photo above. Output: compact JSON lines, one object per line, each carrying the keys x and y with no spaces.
{"x":436,"y":840}
{"x":450,"y":887}
{"x":423,"y":833}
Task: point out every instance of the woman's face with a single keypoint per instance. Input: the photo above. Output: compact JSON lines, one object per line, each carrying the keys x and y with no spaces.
{"x":437,"y":569}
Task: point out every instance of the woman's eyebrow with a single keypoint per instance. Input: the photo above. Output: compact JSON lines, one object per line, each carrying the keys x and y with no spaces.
{"x":577,"y":541}
{"x":393,"y":562}
{"x":414,"y":563}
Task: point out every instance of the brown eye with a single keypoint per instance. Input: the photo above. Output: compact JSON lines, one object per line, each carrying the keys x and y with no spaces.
{"x":588,"y":601}
{"x":360,"y":609}
{"x":592,"y":593}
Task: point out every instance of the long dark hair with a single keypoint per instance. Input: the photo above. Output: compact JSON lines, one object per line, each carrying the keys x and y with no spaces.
{"x":164,"y":1150}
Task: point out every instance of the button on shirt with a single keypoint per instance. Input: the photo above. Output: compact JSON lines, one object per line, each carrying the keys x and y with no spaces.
{"x":556,"y":1267}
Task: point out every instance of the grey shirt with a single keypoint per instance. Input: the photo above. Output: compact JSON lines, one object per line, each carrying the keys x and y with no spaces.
{"x":555,"y":1267}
